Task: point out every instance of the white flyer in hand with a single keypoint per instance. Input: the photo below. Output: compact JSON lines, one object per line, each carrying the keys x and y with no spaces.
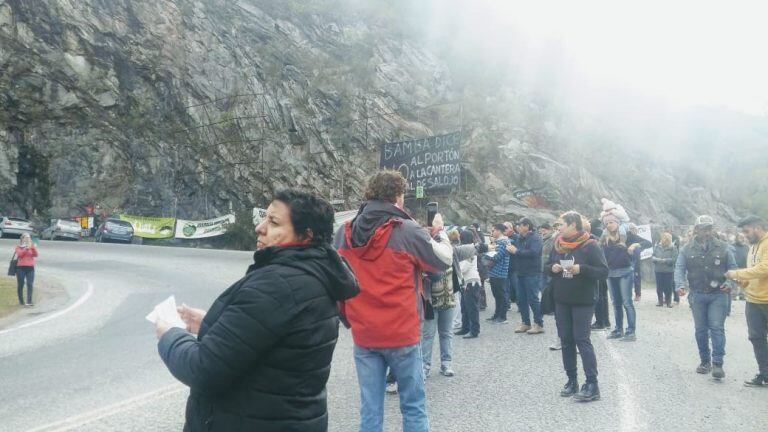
{"x":167,"y":312}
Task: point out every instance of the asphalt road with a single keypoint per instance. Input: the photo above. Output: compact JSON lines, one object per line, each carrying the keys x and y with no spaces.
{"x":86,"y":360}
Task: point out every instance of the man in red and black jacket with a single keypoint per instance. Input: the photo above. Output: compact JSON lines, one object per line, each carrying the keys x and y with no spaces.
{"x":388,"y":252}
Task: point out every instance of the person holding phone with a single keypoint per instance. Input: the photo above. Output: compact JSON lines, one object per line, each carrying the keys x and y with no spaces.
{"x":26,"y":252}
{"x":576,"y":264}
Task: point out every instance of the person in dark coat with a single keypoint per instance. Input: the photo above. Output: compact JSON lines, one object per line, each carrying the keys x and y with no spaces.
{"x":576,"y":265}
{"x":263,"y":351}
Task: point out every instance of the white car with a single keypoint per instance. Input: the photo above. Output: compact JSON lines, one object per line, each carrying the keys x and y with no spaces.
{"x":14,"y":226}
{"x":62,"y":228}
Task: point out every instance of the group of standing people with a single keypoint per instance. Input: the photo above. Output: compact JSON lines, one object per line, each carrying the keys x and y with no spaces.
{"x":259,"y":359}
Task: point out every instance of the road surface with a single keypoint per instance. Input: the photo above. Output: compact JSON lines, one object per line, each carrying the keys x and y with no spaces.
{"x":86,"y":360}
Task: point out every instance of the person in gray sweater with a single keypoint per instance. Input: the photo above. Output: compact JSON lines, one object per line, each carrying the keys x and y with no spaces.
{"x":664,"y":258}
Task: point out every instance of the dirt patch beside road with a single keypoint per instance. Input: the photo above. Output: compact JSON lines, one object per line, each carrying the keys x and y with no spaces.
{"x":47,"y":296}
{"x":9,"y":302}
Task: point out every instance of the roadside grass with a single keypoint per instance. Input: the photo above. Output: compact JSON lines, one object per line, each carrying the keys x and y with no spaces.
{"x":9,"y":302}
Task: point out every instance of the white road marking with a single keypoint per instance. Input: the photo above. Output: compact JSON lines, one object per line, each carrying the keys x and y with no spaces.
{"x":78,"y":421}
{"x":71,"y":307}
{"x":630,"y":411}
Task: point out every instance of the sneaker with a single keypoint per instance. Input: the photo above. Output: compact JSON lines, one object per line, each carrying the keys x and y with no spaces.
{"x":659,"y":304}
{"x":556,"y":346}
{"x":491,"y":319}
{"x":500,"y":321}
{"x":757,"y":381}
{"x":596,"y":326}
{"x":629,"y":337}
{"x":522,"y":328}
{"x":704,"y":368}
{"x":461,"y":332}
{"x":445,"y":370}
{"x":391,"y":388}
{"x":470,"y":336}
{"x":536,"y":329}
{"x":616,"y":334}
{"x":589,"y":392}
{"x":717,"y":371}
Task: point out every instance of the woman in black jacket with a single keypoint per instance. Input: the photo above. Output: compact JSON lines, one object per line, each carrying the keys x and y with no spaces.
{"x":576,"y":264}
{"x":263,"y":350}
{"x":618,"y":251}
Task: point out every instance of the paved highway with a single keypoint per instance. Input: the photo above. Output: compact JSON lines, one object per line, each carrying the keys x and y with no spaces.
{"x":86,"y":360}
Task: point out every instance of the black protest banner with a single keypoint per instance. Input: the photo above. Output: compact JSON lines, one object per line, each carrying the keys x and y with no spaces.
{"x":433,"y":162}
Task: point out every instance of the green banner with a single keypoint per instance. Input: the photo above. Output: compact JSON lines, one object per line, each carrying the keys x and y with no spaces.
{"x":151,"y":227}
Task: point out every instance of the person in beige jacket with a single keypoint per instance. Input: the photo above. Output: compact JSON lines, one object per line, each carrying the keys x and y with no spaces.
{"x":754,"y":280}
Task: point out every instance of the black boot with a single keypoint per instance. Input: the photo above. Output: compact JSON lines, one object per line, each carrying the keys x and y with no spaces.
{"x":570,"y":388}
{"x":461,"y":332}
{"x":589,"y":392}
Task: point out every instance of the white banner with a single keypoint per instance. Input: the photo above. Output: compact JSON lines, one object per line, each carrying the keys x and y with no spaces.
{"x":186,"y":229}
{"x":644,"y":231}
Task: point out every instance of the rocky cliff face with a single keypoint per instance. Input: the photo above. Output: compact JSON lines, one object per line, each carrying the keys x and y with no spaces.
{"x":194,"y":108}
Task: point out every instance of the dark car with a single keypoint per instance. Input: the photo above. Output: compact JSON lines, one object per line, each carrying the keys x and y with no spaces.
{"x":114,"y":230}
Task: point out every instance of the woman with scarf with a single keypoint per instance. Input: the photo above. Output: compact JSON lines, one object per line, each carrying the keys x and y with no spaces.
{"x":576,"y":264}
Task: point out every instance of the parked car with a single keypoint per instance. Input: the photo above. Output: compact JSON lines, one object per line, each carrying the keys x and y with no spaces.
{"x":14,"y":226}
{"x":114,"y":230}
{"x":62,"y":228}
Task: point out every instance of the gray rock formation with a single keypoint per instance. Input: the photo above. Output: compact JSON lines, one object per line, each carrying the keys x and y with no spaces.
{"x":194,"y":108}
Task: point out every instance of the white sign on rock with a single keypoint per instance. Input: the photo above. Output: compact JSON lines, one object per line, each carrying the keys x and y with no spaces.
{"x":186,"y":229}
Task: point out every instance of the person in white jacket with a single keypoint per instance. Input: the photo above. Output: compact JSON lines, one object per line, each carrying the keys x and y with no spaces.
{"x":470,"y":292}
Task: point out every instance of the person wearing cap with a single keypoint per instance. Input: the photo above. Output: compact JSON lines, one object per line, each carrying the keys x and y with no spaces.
{"x":754,"y":280}
{"x":703,"y":264}
{"x":527,"y":256}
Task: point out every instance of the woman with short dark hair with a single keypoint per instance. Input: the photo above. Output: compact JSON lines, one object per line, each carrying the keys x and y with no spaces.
{"x":263,"y":350}
{"x":576,"y":264}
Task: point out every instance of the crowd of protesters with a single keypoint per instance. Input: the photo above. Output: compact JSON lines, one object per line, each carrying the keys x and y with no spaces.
{"x":406,"y":283}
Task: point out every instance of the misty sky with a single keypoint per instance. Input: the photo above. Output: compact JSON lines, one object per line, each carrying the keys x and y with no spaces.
{"x":682,"y":53}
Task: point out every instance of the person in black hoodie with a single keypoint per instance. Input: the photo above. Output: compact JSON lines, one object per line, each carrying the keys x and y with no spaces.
{"x":576,"y":264}
{"x":263,"y":351}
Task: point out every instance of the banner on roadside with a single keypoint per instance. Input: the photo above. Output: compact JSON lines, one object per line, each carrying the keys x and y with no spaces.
{"x":187,"y":229}
{"x":151,"y":227}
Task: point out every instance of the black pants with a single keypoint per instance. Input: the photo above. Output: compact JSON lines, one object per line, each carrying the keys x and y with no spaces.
{"x":573,"y":323}
{"x":757,"y":327}
{"x":498,"y":288}
{"x":602,"y":314}
{"x":23,"y":273}
{"x":664,"y":287}
{"x":470,"y":310}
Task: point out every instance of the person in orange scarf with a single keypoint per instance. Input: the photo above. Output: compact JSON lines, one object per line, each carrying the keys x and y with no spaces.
{"x":576,"y":264}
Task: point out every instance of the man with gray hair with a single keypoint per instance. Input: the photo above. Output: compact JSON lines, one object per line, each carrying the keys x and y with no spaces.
{"x":703,"y":263}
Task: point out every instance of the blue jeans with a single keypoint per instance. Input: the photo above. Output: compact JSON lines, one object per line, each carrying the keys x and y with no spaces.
{"x":443,"y":323}
{"x":405,"y":363}
{"x":510,"y":288}
{"x":25,"y":273}
{"x":621,"y":295}
{"x":529,"y":299}
{"x":709,"y":312}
